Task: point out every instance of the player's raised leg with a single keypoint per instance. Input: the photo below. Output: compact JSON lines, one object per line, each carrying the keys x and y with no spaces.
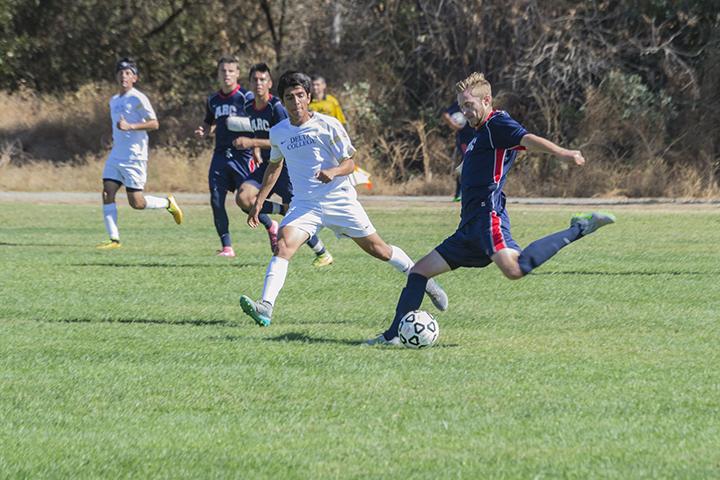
{"x":395,"y":256}
{"x":516,"y":265}
{"x":110,"y":214}
{"x":245,"y":199}
{"x":422,"y":273}
{"x":289,"y":240}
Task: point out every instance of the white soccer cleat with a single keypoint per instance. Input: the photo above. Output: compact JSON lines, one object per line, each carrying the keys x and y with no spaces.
{"x":437,"y":295}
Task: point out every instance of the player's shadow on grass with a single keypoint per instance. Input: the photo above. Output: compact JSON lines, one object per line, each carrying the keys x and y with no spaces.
{"x":629,"y":274}
{"x":9,"y":244}
{"x":143,"y":320}
{"x":164,"y":265}
{"x":305,"y":338}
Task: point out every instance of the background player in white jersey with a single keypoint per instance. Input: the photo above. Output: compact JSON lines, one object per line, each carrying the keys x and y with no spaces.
{"x":318,"y":153}
{"x":132,"y":117}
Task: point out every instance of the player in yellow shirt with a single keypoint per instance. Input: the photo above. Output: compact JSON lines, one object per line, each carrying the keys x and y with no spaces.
{"x":324,"y":103}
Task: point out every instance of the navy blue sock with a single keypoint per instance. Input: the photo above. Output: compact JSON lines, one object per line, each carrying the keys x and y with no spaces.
{"x":312,"y":241}
{"x":410,"y":299}
{"x":220,"y":216}
{"x":271,"y":207}
{"x":265,"y":220}
{"x":540,"y":251}
{"x":226,"y":240}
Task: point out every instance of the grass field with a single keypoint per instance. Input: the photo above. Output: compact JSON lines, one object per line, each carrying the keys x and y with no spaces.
{"x":137,"y":363}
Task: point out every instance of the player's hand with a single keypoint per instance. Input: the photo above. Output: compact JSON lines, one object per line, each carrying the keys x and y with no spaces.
{"x":253,"y":215}
{"x":200,"y":132}
{"x":242,"y":142}
{"x":574,"y":156}
{"x":123,"y":124}
{"x":325,"y":176}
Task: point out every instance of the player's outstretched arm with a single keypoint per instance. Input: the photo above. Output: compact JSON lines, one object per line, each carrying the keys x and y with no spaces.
{"x":272,"y":173}
{"x":346,"y":167}
{"x":535,"y":143}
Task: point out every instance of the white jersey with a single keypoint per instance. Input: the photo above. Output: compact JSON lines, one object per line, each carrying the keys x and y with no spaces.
{"x":318,"y":144}
{"x":134,"y":107}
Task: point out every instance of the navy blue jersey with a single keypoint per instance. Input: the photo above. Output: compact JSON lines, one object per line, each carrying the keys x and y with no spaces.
{"x":262,"y":120}
{"x":220,"y":106}
{"x":486,"y":162}
{"x":464,"y":135}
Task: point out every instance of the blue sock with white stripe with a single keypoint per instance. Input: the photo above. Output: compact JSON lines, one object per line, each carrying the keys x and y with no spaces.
{"x":540,"y":251}
{"x":410,"y":299}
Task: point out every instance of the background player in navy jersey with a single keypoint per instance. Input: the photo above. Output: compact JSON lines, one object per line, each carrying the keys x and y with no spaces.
{"x":132,"y":117}
{"x":265,"y":111}
{"x":483,"y":235}
{"x":230,"y":166}
{"x":454,"y":118}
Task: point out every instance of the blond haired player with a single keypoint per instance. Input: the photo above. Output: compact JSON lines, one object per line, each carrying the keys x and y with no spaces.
{"x":483,"y":236}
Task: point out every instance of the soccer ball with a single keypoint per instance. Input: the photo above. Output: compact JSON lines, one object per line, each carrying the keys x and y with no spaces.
{"x":459,"y":119}
{"x":418,"y":329}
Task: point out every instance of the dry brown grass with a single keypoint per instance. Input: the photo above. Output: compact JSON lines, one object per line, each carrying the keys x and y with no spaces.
{"x":60,"y":144}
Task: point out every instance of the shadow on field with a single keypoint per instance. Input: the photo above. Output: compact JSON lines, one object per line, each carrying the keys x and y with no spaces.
{"x":7,"y":244}
{"x":613,"y":274}
{"x":141,"y":320}
{"x":304,"y":338}
{"x":163,"y":265}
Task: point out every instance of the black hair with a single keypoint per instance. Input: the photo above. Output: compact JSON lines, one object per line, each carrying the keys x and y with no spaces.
{"x":226,"y":59}
{"x":292,"y":79}
{"x":259,"y":67}
{"x":315,"y":78}
{"x":126,"y":63}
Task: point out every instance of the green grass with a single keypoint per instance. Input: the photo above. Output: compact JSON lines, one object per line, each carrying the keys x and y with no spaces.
{"x":138,"y":363}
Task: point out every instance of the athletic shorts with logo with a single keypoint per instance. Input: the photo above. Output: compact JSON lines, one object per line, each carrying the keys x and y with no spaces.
{"x":340,"y":211}
{"x":473,"y":244}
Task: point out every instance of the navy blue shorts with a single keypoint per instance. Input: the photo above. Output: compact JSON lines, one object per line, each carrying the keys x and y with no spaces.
{"x":473,"y":244}
{"x":229,"y":169}
{"x":283,"y":187}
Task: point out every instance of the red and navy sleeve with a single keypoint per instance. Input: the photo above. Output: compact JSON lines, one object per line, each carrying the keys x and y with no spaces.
{"x":505,"y":132}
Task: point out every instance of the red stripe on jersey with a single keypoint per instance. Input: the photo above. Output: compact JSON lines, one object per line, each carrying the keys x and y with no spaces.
{"x":499,"y":163}
{"x":226,"y":96}
{"x":497,"y":236}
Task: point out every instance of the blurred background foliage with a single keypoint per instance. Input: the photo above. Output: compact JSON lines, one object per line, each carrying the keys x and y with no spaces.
{"x":635,"y":84}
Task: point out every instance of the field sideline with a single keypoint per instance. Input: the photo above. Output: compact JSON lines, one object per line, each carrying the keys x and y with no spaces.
{"x":137,"y":363}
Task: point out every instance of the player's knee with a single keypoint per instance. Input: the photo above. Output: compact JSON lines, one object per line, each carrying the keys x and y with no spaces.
{"x":513,"y":273}
{"x":245,"y":202}
{"x":137,"y":203}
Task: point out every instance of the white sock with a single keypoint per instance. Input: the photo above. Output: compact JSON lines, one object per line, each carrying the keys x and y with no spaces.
{"x":110,"y":217}
{"x":400,"y":260}
{"x":156,"y":202}
{"x":274,"y":279}
{"x":318,"y":247}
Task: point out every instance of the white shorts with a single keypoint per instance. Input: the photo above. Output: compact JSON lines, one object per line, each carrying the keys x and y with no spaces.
{"x":131,"y":173}
{"x":344,"y":216}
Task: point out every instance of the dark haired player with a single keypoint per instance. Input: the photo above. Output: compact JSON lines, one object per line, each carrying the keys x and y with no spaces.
{"x":132,"y":117}
{"x":318,"y":153}
{"x":264,"y":112}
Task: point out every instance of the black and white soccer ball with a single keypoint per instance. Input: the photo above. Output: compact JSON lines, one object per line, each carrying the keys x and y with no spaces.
{"x":418,"y":329}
